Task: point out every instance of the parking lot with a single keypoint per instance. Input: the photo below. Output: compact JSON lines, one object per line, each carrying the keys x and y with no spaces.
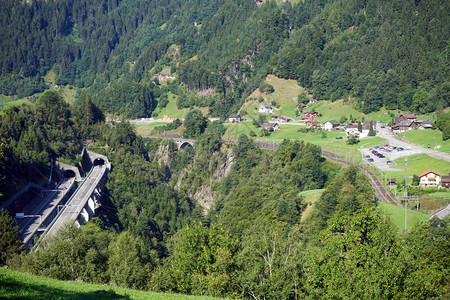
{"x":382,"y":157}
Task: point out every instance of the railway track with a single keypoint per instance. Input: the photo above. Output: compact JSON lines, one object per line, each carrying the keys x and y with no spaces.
{"x":381,"y":193}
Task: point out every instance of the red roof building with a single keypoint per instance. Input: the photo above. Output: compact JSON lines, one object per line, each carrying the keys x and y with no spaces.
{"x":429,"y":179}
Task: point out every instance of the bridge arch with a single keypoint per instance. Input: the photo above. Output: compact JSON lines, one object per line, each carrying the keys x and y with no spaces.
{"x":185,"y":144}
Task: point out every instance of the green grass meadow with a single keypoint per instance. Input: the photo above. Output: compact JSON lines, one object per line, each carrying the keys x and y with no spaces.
{"x":419,"y":163}
{"x":9,"y":102}
{"x":397,"y":215}
{"x":17,"y":285}
{"x":427,"y":137}
{"x":172,"y":110}
{"x":329,"y":143}
{"x":285,"y":94}
{"x":310,"y":197}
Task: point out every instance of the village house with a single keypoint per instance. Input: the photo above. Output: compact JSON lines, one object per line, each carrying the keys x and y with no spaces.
{"x":265,"y":109}
{"x":396,"y":120}
{"x":392,"y":181}
{"x":445,"y":181}
{"x":424,"y":124}
{"x":164,"y":75}
{"x":403,"y":125}
{"x":366,"y":127}
{"x":234,"y":118}
{"x":312,"y":115}
{"x":300,"y":106}
{"x":312,"y":124}
{"x":270,"y":126}
{"x":409,"y":117}
{"x":284,"y":119}
{"x":331,"y":125}
{"x":352,"y":130}
{"x":429,"y":179}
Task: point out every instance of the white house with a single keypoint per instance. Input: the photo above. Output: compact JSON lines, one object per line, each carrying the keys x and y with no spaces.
{"x":234,"y":118}
{"x":352,"y":130}
{"x":270,"y":126}
{"x":330,"y":125}
{"x":267,"y":109}
{"x":429,"y":179}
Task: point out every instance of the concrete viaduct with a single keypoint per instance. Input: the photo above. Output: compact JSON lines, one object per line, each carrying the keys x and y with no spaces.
{"x":180,"y":141}
{"x":80,"y":207}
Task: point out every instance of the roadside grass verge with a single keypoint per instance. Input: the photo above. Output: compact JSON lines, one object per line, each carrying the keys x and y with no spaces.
{"x":17,"y":285}
{"x":427,"y":137}
{"x":397,"y":215}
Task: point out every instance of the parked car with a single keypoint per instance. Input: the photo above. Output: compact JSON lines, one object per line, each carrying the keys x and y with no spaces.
{"x":389,"y":162}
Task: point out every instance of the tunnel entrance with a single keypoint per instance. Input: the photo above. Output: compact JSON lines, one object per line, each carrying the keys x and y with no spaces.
{"x":99,"y":162}
{"x":69,"y":174}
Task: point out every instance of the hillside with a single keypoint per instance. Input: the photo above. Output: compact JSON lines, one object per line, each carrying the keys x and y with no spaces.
{"x":224,"y":215}
{"x":337,"y":49}
{"x":17,"y":285}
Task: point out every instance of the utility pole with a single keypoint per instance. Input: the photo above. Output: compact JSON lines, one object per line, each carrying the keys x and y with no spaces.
{"x":406,"y":194}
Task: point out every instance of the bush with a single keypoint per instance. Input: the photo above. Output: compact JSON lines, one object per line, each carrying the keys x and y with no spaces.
{"x":352,"y":140}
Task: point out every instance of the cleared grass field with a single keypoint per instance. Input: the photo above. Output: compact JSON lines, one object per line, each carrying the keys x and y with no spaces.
{"x":148,"y":129}
{"x":9,"y":102}
{"x":442,"y":194}
{"x":427,"y":137}
{"x":16,"y":285}
{"x":330,"y":143}
{"x":172,"y":110}
{"x":397,"y":215}
{"x":285,"y":94}
{"x":310,"y":197}
{"x":333,"y":110}
{"x":419,"y":163}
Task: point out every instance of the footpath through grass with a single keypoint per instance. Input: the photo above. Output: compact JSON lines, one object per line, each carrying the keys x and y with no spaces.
{"x":17,"y":285}
{"x":310,"y":197}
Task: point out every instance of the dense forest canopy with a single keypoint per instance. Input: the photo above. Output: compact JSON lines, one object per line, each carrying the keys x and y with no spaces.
{"x":378,"y":53}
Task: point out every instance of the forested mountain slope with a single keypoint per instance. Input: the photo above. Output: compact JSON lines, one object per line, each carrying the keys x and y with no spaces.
{"x":150,"y":233}
{"x":380,"y":53}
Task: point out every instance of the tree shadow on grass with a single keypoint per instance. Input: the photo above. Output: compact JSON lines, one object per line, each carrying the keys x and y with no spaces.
{"x":11,"y":288}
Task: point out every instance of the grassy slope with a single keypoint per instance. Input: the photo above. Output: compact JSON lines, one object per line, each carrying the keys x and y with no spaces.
{"x":418,"y":163}
{"x":286,"y":92}
{"x":310,"y":197}
{"x":397,"y":215}
{"x":16,"y":285}
{"x":425,"y":137}
{"x":67,"y":92}
{"x":330,"y":143}
{"x":9,"y":102}
{"x":172,"y":110}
